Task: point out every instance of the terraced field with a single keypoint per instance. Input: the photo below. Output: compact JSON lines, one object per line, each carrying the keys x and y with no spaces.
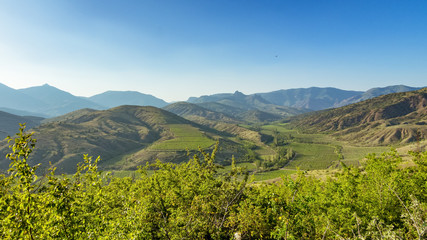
{"x":185,"y":137}
{"x":352,"y":155}
{"x":312,"y":156}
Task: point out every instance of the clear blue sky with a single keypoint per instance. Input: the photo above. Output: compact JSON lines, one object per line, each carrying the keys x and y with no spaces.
{"x":176,"y":49}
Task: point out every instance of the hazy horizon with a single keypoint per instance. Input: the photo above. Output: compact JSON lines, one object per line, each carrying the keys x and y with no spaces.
{"x":179,"y":49}
{"x":199,"y":95}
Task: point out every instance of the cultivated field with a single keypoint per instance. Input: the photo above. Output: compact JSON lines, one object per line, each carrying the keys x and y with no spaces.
{"x":319,"y":151}
{"x":185,"y":137}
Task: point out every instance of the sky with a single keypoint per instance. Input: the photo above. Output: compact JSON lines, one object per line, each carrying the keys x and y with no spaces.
{"x":175,"y":49}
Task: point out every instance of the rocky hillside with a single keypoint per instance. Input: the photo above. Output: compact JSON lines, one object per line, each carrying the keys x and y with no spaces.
{"x":397,"y":117}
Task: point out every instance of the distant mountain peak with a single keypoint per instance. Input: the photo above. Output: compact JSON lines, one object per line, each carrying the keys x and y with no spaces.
{"x":238,"y":94}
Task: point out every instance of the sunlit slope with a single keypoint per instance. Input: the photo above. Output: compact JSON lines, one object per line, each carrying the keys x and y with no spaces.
{"x":112,"y":134}
{"x":389,"y":119}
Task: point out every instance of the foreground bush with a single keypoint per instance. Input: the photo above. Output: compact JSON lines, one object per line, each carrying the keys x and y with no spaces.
{"x":193,"y":201}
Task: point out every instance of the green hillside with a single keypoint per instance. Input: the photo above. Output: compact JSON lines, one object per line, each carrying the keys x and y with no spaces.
{"x":221,"y":108}
{"x":110,"y":133}
{"x":221,"y":122}
{"x":126,"y":137}
{"x":257,"y":116}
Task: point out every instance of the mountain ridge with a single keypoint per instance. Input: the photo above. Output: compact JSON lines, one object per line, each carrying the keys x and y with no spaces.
{"x":383,"y":120}
{"x":49,"y":101}
{"x":313,"y":98}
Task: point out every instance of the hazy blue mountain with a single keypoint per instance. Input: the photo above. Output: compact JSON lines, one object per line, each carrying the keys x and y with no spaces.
{"x":222,"y":108}
{"x":48,"y":101}
{"x":117,"y":98}
{"x":191,"y":111}
{"x":9,"y":123}
{"x":313,"y":98}
{"x":246,"y":102}
{"x":376,"y":92}
{"x":22,"y":112}
{"x":237,"y":104}
{"x":58,"y":102}
{"x":301,"y":98}
{"x":13,"y":99}
{"x":209,"y":98}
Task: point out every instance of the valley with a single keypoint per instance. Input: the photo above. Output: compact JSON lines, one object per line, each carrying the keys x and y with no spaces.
{"x":239,"y":120}
{"x":252,"y":165}
{"x":266,"y":139}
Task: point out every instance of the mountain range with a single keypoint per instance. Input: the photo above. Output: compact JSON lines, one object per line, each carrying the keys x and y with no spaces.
{"x":129,"y":136}
{"x":250,"y":108}
{"x":48,"y":101}
{"x":313,"y":98}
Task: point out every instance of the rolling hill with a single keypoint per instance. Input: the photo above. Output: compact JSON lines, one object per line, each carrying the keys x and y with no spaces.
{"x":125,"y":137}
{"x":258,"y":116}
{"x":221,"y":108}
{"x":388,"y":119}
{"x":9,"y":123}
{"x":221,"y":122}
